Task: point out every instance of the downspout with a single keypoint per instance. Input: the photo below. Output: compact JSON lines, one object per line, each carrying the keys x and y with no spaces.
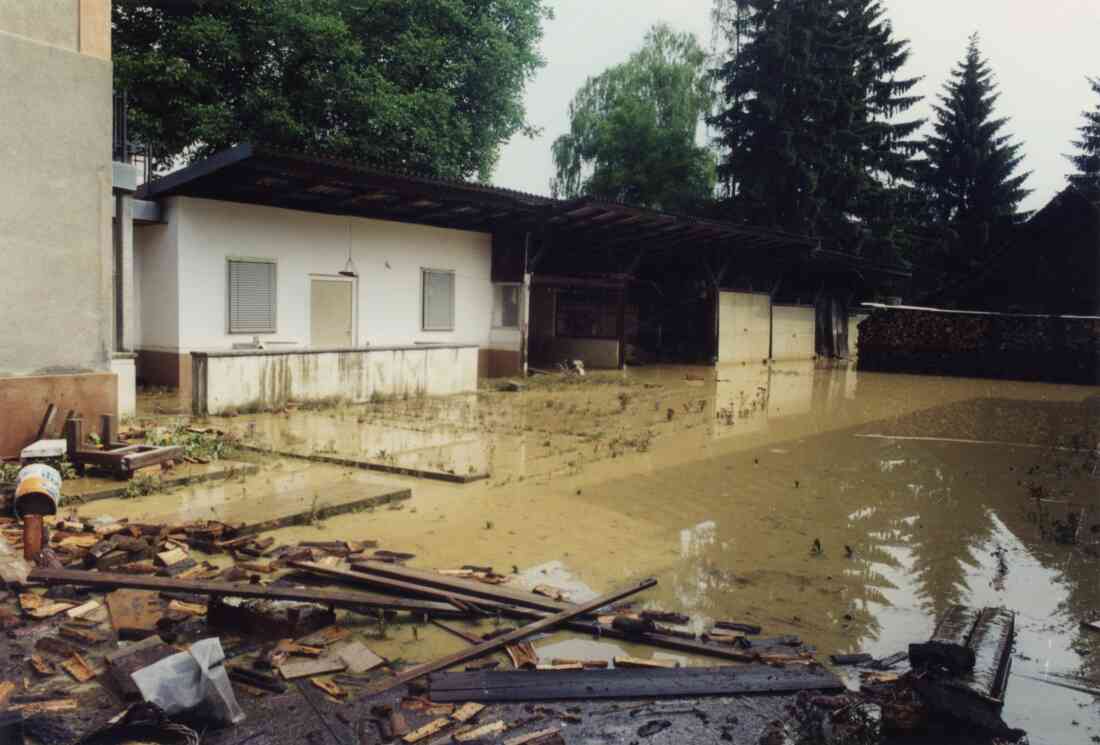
{"x":120,"y":321}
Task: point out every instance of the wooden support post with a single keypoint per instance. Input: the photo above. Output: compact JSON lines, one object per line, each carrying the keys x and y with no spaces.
{"x":74,"y":438}
{"x":32,"y":536}
{"x":47,"y":421}
{"x":108,"y":430}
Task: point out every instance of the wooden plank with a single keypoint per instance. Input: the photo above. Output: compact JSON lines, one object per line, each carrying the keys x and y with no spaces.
{"x":134,"y":613}
{"x":439,"y":581}
{"x":47,"y":422}
{"x":467,"y":711}
{"x":641,"y":664}
{"x":306,"y":668}
{"x":515,"y":686}
{"x":550,"y":736}
{"x":350,"y":600}
{"x":948,"y":646}
{"x":357,"y":656}
{"x":407,"y":588}
{"x":429,"y":729}
{"x":79,"y":668}
{"x":413,"y":588}
{"x":519,"y":634}
{"x":487,"y":730}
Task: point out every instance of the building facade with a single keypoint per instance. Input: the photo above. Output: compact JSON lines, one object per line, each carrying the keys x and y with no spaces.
{"x":57,"y":290}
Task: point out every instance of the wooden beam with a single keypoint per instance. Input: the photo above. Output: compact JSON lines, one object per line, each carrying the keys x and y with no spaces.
{"x":519,"y":634}
{"x":336,"y":598}
{"x":688,"y":682}
{"x":462,"y":588}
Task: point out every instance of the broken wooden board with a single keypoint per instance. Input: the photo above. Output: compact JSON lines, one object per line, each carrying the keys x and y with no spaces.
{"x":339,"y":599}
{"x":467,"y":711}
{"x":134,"y":613}
{"x":493,"y":686}
{"x":542,"y":737}
{"x":357,"y":656}
{"x":638,"y":663}
{"x":486,"y":730}
{"x":523,"y":655}
{"x":330,"y":688}
{"x":79,"y":668}
{"x":39,"y":607}
{"x":84,"y":610}
{"x":428,"y":730}
{"x":307,"y":668}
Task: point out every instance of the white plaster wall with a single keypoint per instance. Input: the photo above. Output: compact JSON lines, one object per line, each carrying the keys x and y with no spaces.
{"x":793,"y":332}
{"x":270,"y":381}
{"x":744,"y":327}
{"x":505,"y":339}
{"x":389,"y":257}
{"x":156,"y":283}
{"x":854,"y":319}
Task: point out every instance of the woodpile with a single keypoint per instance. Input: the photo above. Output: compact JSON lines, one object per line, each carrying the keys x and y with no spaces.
{"x":987,"y":345}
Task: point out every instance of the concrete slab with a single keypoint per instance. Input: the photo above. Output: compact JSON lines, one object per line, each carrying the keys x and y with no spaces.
{"x":84,"y":490}
{"x":260,"y":503}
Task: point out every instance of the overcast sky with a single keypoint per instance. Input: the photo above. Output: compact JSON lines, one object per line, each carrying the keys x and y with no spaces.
{"x":1040,"y":53}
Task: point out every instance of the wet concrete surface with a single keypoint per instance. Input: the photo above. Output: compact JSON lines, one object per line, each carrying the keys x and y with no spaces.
{"x":923,"y":492}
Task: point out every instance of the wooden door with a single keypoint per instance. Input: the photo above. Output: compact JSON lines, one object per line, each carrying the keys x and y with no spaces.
{"x":331,"y":313}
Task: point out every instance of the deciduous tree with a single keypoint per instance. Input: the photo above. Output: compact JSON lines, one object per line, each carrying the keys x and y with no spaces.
{"x":435,"y":85}
{"x":634,"y":128}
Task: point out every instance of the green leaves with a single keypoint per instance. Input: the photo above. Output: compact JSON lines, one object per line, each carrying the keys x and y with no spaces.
{"x":435,"y":85}
{"x":633,"y":129}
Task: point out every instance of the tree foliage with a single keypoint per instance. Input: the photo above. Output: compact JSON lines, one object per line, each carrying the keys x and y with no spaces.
{"x":972,"y":172}
{"x":1087,"y":159}
{"x":435,"y":85}
{"x":633,"y":128}
{"x":811,"y":123}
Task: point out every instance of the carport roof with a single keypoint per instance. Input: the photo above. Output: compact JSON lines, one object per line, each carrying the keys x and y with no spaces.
{"x":254,"y":175}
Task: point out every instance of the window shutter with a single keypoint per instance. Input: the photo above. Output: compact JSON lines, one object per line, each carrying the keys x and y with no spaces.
{"x":439,"y":305}
{"x":251,"y":297}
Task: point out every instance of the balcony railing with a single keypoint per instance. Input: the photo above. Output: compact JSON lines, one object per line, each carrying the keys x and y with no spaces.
{"x":123,"y":148}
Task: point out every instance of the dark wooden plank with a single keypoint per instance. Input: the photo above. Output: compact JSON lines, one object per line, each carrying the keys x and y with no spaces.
{"x":519,"y":634}
{"x":147,"y":457}
{"x":469,"y":587}
{"x":407,"y":588}
{"x":47,"y":422}
{"x":497,"y":686}
{"x":341,"y":599}
{"x":417,"y":590}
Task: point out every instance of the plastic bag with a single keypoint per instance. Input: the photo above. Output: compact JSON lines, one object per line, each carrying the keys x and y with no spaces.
{"x":193,"y":683}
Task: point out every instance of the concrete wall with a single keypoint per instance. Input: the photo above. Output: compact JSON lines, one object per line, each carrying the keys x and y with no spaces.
{"x":596,"y":354}
{"x":55,"y":188}
{"x":744,"y":327}
{"x":184,"y":274}
{"x":246,"y":382}
{"x":793,"y":332}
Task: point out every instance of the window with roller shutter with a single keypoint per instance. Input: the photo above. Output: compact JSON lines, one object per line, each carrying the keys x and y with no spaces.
{"x":437,"y":311}
{"x":252,"y":296}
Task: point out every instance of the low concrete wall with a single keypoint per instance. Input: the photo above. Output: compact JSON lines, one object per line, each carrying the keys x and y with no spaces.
{"x":597,"y":354}
{"x":793,"y":330}
{"x":744,"y":323}
{"x":981,"y":345}
{"x":255,"y":381}
{"x":24,"y":398}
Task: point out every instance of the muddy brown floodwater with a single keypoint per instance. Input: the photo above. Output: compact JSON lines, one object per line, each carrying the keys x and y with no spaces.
{"x":923,"y":492}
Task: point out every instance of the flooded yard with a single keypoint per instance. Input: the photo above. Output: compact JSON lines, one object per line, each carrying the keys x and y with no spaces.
{"x":921,"y":493}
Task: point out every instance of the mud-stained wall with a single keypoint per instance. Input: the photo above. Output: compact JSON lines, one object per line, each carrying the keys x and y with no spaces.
{"x":793,"y":330}
{"x":256,"y":382}
{"x":744,"y":327}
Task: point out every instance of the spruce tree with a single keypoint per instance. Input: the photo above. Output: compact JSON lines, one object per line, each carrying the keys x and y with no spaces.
{"x":1087,"y":160}
{"x":971,"y":173}
{"x":810,"y":124}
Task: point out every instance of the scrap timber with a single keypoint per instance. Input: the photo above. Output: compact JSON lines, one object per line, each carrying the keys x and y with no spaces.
{"x":335,"y":598}
{"x":520,"y":634}
{"x":689,"y":682}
